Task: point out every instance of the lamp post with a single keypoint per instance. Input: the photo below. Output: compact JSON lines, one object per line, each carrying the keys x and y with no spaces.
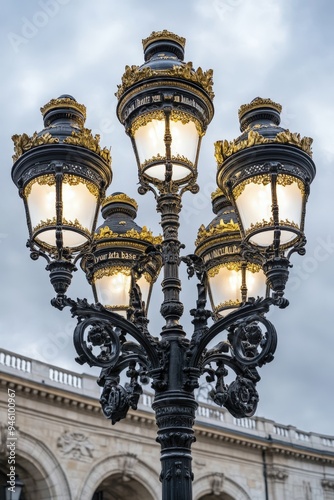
{"x":263,"y":183}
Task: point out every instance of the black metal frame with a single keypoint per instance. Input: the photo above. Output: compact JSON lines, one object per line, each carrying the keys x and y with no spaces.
{"x":172,"y":362}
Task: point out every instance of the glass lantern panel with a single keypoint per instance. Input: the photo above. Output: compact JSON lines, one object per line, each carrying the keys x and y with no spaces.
{"x":256,"y":283}
{"x":150,"y":146}
{"x":255,"y":209}
{"x":290,"y":202}
{"x":79,"y":208}
{"x":184,"y":140}
{"x":225,"y":287}
{"x":149,"y":140}
{"x":42,"y":203}
{"x":113,"y":291}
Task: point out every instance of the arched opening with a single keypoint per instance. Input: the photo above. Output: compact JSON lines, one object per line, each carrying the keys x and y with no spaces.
{"x":33,"y":486}
{"x":119,"y":487}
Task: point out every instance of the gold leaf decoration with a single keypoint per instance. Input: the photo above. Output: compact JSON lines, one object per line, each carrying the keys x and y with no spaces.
{"x":217,"y":230}
{"x":24,"y":142}
{"x":224,"y":149}
{"x":164,"y":35}
{"x":134,"y":74}
{"x":85,"y":139}
{"x":144,"y":235}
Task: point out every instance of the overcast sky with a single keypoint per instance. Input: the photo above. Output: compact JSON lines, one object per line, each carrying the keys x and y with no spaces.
{"x":282,"y":49}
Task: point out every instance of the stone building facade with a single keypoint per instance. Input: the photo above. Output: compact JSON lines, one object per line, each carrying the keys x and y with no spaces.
{"x":66,"y":450}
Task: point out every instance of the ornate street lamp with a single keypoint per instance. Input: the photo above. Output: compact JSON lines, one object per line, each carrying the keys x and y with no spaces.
{"x":231,"y":278}
{"x":241,"y":258}
{"x":267,"y":172}
{"x":62,"y":173}
{"x":119,"y":243}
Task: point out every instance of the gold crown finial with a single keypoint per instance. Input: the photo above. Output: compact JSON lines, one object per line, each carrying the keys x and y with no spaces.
{"x":256,"y":103}
{"x":119,"y":198}
{"x":163,"y":35}
{"x":64,"y":101}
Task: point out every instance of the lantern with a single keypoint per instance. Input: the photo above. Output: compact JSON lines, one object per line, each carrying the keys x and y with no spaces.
{"x":120,"y":242}
{"x":231,"y":280}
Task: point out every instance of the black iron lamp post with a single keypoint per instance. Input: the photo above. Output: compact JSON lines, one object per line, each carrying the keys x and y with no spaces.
{"x":241,"y":258}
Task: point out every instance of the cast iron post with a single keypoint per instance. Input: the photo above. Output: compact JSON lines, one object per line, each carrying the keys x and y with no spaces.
{"x":174,"y":407}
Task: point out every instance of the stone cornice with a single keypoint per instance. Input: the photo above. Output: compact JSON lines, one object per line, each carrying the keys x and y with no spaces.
{"x":59,"y":396}
{"x":274,"y":446}
{"x":53,"y":395}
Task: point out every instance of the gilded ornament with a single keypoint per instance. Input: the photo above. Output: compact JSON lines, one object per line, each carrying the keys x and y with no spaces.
{"x":165,"y":35}
{"x":42,"y":180}
{"x":234,"y":266}
{"x":85,"y":139}
{"x":112,"y":270}
{"x":162,"y":159}
{"x":217,"y":230}
{"x":53,"y":222}
{"x":143,"y":120}
{"x":264,"y":179}
{"x":62,"y":102}
{"x":72,"y":180}
{"x":134,"y":74}
{"x":224,"y":149}
{"x":24,"y":142}
{"x":288,"y":137}
{"x":264,"y":224}
{"x":230,"y":266}
{"x":258,"y":102}
{"x":159,"y":115}
{"x":228,"y":303}
{"x":119,"y":197}
{"x":144,"y":235}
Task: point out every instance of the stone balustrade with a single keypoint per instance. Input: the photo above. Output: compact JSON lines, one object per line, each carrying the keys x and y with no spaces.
{"x":207,"y":413}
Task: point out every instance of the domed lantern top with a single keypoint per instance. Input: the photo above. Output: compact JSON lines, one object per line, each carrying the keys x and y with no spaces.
{"x":62,"y":173}
{"x":231,"y":280}
{"x":120,"y":243}
{"x":267,"y":172}
{"x":165,"y":106}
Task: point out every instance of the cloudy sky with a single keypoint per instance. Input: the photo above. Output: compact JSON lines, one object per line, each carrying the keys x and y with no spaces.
{"x":282,"y":49}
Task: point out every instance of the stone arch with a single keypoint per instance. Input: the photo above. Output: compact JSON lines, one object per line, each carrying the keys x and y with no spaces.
{"x":40,"y":464}
{"x":203,"y":486}
{"x":110,"y":466}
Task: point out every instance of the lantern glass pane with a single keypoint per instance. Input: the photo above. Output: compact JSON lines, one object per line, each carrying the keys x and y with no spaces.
{"x":226,"y":285}
{"x":255,"y":209}
{"x":150,"y":140}
{"x":184,"y":140}
{"x":113,"y":291}
{"x":42,"y":203}
{"x":79,"y":208}
{"x":290,"y":202}
{"x":256,"y":283}
{"x":151,"y":146}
